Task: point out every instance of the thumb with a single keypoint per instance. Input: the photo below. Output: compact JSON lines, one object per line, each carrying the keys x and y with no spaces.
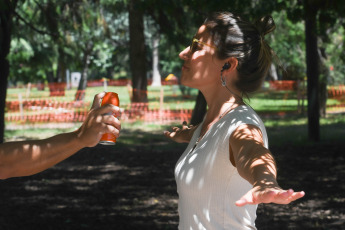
{"x":97,"y":100}
{"x":241,"y":203}
{"x":244,"y":200}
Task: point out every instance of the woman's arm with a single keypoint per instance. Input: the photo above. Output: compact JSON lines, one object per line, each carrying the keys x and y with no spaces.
{"x":256,"y":164}
{"x":181,"y":135}
{"x":24,"y":158}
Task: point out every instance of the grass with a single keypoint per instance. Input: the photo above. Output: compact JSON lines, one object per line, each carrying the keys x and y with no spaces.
{"x":263,"y":101}
{"x":289,"y":130}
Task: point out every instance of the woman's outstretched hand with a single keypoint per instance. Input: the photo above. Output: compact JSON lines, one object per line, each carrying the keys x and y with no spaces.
{"x":258,"y":195}
{"x":181,"y":135}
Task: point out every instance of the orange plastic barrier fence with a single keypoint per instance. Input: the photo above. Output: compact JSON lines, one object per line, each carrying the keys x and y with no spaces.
{"x":283,"y":85}
{"x":124,"y":82}
{"x":336,"y":108}
{"x":336,"y":91}
{"x":13,"y":106}
{"x":133,"y":112}
{"x":57,"y":88}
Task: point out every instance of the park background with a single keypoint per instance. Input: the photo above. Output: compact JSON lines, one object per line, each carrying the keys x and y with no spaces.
{"x":131,"y":185}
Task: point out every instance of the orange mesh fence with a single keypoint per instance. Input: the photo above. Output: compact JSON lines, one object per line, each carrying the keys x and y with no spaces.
{"x":283,"y":85}
{"x":336,"y":108}
{"x":336,"y":91}
{"x":57,"y":88}
{"x":13,"y":106}
{"x":124,"y":82}
{"x":133,"y":112}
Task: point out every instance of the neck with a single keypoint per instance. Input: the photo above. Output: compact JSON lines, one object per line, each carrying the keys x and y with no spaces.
{"x":219,"y":101}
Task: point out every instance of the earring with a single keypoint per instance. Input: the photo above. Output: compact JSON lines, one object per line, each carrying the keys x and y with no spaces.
{"x":222,"y":80}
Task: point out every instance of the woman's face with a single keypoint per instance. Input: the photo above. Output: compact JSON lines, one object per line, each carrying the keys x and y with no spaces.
{"x":201,"y":68}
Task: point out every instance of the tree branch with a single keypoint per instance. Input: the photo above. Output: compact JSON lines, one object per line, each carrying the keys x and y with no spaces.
{"x":32,"y":27}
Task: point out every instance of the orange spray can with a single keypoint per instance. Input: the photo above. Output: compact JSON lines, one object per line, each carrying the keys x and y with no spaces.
{"x":109,"y":98}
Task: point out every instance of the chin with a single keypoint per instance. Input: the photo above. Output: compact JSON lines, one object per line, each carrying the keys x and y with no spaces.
{"x":185,"y":82}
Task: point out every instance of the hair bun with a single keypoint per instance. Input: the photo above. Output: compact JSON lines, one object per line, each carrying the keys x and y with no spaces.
{"x":265,"y":25}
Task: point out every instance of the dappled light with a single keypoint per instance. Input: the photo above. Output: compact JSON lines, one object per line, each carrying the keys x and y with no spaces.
{"x":261,"y":158}
{"x":132,"y":186}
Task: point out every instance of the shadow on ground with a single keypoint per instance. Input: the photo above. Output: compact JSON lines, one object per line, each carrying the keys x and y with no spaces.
{"x":131,"y":186}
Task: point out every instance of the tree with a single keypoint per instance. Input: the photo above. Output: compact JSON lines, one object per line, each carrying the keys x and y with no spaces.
{"x":6,"y":14}
{"x":312,"y":71}
{"x":320,"y":16}
{"x":137,"y":51}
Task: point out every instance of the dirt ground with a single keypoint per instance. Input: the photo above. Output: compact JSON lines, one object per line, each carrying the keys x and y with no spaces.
{"x":133,"y":187}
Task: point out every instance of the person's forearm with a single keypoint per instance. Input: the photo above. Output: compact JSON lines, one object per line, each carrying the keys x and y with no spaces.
{"x":29,"y":157}
{"x":264,"y":172}
{"x":260,"y":169}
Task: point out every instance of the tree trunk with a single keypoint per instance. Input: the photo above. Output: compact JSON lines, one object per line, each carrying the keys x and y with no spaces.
{"x":50,"y":76}
{"x":7,"y":7}
{"x":324,"y":76}
{"x":61,"y":68}
{"x":80,"y":95}
{"x":199,"y":109}
{"x":312,"y":71}
{"x":137,"y":52}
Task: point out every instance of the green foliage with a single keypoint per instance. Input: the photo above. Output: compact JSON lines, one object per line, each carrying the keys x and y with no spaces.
{"x":288,"y":43}
{"x":56,"y":32}
{"x":19,"y":60}
{"x":335,"y":51}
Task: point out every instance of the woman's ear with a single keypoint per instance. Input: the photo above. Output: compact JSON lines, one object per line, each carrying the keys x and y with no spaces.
{"x":233,"y":64}
{"x":230,"y":65}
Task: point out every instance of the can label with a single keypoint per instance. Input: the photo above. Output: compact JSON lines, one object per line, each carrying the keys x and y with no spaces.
{"x":109,"y":98}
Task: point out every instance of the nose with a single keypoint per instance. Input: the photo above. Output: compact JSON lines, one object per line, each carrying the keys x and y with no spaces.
{"x":184,"y":55}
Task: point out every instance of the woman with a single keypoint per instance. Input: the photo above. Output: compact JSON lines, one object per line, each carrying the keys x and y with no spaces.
{"x":227,"y":164}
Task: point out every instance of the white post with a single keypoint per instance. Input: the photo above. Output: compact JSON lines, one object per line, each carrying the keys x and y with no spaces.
{"x":28,"y":90}
{"x":161,"y":99}
{"x":105,"y":85}
{"x":156,"y":77}
{"x":21,"y":106}
{"x":68,"y":84}
{"x":161,"y":102}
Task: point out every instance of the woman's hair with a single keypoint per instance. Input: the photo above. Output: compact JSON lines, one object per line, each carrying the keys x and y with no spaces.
{"x":243,"y":40}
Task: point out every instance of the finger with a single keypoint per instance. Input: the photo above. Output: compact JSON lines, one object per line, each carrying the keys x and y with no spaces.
{"x":175,"y":129}
{"x":111,"y":109}
{"x":246,"y":199}
{"x":166,"y":133}
{"x":169,"y":134}
{"x":112,"y":129}
{"x":97,"y":100}
{"x":113,"y":121}
{"x":286,"y":197}
{"x":296,"y":195}
{"x":241,"y":202}
{"x":263,"y":197}
{"x":282,"y":197}
{"x":284,"y":194}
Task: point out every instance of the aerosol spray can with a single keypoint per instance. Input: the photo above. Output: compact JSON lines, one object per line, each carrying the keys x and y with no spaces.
{"x":109,"y":98}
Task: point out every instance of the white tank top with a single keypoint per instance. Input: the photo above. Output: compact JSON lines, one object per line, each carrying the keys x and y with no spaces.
{"x":208,"y":184}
